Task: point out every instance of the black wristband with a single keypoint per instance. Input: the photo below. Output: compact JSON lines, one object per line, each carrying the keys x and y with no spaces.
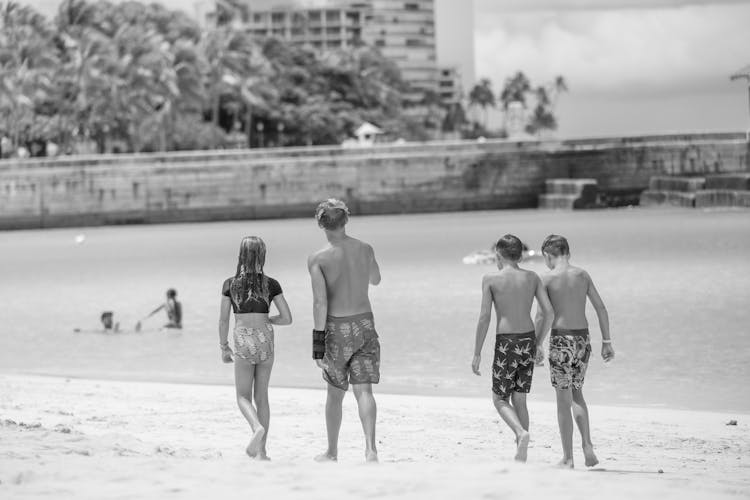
{"x":318,"y":344}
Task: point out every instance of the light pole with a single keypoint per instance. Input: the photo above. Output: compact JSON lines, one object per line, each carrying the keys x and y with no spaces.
{"x":744,"y":74}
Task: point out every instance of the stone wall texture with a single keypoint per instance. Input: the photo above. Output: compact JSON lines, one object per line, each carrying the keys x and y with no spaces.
{"x":247,"y":184}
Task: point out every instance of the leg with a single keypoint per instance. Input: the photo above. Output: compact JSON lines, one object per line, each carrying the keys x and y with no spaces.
{"x":581,"y":415}
{"x":333,"y":423}
{"x":368,"y":412}
{"x":244,"y":374}
{"x":565,"y":422}
{"x":519,"y":404}
{"x":509,"y":415}
{"x":262,"y":378}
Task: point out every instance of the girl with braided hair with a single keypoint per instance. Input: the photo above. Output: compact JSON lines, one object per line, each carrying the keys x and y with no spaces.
{"x":249,"y":294}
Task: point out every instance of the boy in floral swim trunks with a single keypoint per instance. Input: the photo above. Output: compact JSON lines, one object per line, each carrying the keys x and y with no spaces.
{"x":345,"y":344}
{"x":569,"y":347}
{"x":512,"y":291}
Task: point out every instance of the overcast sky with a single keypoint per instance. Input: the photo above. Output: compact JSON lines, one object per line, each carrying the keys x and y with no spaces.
{"x":633,"y":66}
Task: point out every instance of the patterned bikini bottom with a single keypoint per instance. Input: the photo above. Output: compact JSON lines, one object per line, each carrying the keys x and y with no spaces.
{"x":254,"y":345}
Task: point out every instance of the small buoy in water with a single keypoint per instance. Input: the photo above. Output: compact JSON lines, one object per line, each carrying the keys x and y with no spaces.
{"x":660,"y":471}
{"x":80,"y":239}
{"x":732,"y":422}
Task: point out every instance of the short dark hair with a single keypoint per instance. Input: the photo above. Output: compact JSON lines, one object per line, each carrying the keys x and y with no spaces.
{"x":555,"y":245}
{"x":171,"y":293}
{"x":105,"y":314}
{"x":332,"y":214}
{"x":510,"y":247}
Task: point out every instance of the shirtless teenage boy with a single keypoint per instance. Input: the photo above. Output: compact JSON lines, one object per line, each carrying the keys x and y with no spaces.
{"x":345,"y":344}
{"x":569,"y":346}
{"x":512,"y":291}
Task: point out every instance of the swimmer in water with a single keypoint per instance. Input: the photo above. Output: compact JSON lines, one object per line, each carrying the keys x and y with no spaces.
{"x":173,"y":308}
{"x":108,"y":322}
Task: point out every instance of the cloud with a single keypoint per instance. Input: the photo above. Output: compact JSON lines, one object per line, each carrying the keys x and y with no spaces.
{"x":676,"y":48}
{"x":504,"y":6}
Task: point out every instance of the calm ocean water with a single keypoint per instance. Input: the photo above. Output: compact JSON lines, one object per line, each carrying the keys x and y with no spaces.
{"x":676,"y":283}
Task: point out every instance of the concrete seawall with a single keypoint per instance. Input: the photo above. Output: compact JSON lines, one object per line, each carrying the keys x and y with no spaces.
{"x":247,"y":184}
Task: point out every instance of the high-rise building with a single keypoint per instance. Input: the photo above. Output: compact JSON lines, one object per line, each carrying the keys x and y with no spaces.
{"x":403,"y":30}
{"x":454,"y":28}
{"x":329,"y":25}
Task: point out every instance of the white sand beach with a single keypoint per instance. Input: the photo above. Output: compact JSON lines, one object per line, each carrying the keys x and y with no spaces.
{"x":67,"y":438}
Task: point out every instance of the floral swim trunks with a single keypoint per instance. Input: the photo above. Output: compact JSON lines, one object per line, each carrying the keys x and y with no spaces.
{"x":352,"y":351}
{"x":513,"y":365}
{"x":569,"y":352}
{"x":254,"y":345}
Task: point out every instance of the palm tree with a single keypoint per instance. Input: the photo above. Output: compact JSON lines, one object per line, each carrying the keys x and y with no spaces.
{"x":483,"y":96}
{"x":515,"y":90}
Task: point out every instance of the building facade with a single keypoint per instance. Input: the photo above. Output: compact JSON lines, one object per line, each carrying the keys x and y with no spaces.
{"x":403,"y":30}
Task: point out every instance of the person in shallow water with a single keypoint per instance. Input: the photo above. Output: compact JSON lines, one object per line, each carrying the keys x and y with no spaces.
{"x":569,"y":346}
{"x":345,"y":343}
{"x":249,"y":294}
{"x":512,"y":291}
{"x":173,"y":308}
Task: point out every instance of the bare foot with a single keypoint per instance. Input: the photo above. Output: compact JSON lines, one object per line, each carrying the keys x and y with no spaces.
{"x":371,"y":457}
{"x":588,"y":453}
{"x":565,"y":463}
{"x":263,"y":457}
{"x":523,"y":444}
{"x":326,"y":457}
{"x":255,"y":442}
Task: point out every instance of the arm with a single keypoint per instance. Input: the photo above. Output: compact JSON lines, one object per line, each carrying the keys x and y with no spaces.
{"x":374,"y":267}
{"x":155,"y":311}
{"x":320,"y":310}
{"x":545,"y":316}
{"x":601,"y":314}
{"x":226,"y":352}
{"x":483,"y":323}
{"x":320,"y":294}
{"x":285,"y":315}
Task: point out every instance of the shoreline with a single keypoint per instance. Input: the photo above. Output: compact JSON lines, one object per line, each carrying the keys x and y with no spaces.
{"x":100,"y":377}
{"x":108,"y":439}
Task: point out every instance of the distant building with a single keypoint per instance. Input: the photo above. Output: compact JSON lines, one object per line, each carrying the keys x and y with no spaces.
{"x":450,"y":88}
{"x":403,"y":30}
{"x":454,"y":28}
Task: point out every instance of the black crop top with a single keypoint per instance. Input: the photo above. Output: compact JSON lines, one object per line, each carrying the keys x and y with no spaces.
{"x":252,"y":305}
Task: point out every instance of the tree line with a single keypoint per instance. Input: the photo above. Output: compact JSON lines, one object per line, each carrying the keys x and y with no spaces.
{"x":136,"y":77}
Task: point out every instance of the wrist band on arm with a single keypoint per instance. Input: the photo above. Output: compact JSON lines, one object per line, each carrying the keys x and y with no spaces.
{"x":318,"y":344}
{"x":606,"y":341}
{"x":224,"y":345}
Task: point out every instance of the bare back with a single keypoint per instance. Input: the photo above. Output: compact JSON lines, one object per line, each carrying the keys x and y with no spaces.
{"x":567,"y":289}
{"x":513,"y":292}
{"x":346,"y":267}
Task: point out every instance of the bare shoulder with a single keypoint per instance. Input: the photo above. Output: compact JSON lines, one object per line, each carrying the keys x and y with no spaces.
{"x":532,"y":277}
{"x":317,"y":257}
{"x":579,"y":273}
{"x":491,"y":279}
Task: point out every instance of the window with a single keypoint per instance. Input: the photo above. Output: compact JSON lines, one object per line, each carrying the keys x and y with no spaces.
{"x":411,"y":6}
{"x":258,"y":18}
{"x":413,"y":42}
{"x":277,"y":17}
{"x":380,"y":43}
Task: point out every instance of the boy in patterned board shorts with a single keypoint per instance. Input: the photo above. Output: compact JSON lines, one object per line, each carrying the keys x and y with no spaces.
{"x":568,"y":288}
{"x":345,"y":345}
{"x":512,"y":291}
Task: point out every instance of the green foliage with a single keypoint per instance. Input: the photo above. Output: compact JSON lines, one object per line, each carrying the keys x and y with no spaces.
{"x":148,"y":78}
{"x":518,"y":88}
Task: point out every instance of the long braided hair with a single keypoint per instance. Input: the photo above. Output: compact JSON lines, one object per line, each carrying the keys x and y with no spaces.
{"x":249,"y":280}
